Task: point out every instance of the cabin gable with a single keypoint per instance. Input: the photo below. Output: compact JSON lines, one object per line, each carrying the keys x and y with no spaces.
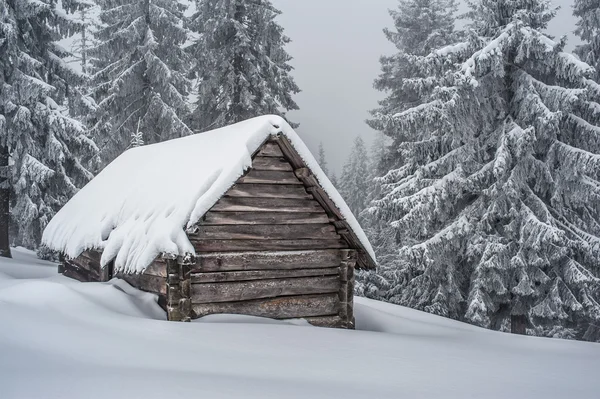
{"x":269,"y":248}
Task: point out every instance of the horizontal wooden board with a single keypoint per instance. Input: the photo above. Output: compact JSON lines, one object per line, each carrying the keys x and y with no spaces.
{"x":84,"y":264}
{"x":271,"y":163}
{"x":265,"y":245}
{"x":269,"y":177}
{"x":327,"y":321}
{"x":267,"y":232}
{"x":157,"y":268}
{"x":239,"y":261}
{"x":213,"y":277}
{"x":257,"y":289}
{"x":270,"y":150}
{"x":276,"y":308}
{"x":241,"y":218}
{"x":146,"y":282}
{"x":268,"y":191}
{"x":231,"y":204}
{"x":74,"y":271}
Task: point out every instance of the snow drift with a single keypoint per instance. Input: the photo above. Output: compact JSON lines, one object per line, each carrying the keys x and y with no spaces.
{"x":65,"y":339}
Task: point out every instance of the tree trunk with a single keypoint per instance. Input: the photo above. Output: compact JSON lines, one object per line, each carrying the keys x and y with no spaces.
{"x":518,"y":324}
{"x":4,"y":203}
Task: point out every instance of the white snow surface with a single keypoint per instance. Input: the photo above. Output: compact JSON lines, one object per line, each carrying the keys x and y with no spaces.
{"x":140,"y":205}
{"x":70,"y":340}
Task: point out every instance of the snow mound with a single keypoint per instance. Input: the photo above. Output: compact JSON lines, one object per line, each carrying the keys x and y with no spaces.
{"x":139,"y":206}
{"x":64,"y":339}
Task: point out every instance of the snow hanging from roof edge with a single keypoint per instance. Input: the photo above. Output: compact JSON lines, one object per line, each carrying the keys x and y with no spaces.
{"x":140,"y":205}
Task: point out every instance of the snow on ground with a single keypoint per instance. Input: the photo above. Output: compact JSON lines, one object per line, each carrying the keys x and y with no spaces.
{"x":63,"y":339}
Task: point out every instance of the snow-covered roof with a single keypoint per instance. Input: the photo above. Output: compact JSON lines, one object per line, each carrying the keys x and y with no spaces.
{"x":140,"y":205}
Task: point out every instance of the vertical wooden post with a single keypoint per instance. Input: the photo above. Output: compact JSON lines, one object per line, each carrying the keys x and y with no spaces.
{"x":346,"y":293}
{"x":179,"y":285}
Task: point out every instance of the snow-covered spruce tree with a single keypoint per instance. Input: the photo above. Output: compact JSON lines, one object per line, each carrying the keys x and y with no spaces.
{"x":139,"y":73}
{"x":354,"y":182}
{"x":243,"y":68}
{"x":40,"y":145}
{"x":323,"y":159}
{"x":588,"y":29}
{"x":499,"y":222}
{"x":421,"y":26}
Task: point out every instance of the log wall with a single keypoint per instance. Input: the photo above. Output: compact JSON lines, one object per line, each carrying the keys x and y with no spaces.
{"x":269,"y":248}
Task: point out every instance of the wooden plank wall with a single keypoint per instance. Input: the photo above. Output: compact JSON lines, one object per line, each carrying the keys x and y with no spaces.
{"x":85,"y":268}
{"x":268,"y":248}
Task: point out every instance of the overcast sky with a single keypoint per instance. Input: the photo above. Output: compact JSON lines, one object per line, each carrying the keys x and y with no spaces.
{"x":336,"y":48}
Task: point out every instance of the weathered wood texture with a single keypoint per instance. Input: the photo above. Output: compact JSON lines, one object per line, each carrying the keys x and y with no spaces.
{"x":268,"y":191}
{"x":178,"y":286}
{"x":265,"y":245}
{"x":228,"y":218}
{"x":146,"y":282}
{"x":235,"y":204}
{"x":271,"y":163}
{"x":256,"y":289}
{"x":213,"y":277}
{"x":267,"y":232}
{"x":270,"y":149}
{"x":85,"y":268}
{"x":241,"y":261}
{"x":270,"y":177}
{"x":276,"y":308}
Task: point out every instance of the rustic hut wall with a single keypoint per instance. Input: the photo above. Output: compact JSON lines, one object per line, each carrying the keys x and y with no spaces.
{"x":86,"y":268}
{"x":269,"y":248}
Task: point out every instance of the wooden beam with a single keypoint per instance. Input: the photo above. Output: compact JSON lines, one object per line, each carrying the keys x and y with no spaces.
{"x":276,"y":308}
{"x":265,"y":245}
{"x":269,"y":177}
{"x":243,"y":218}
{"x":268,"y":191}
{"x":257,"y":289}
{"x":157,"y":268}
{"x":271,"y":163}
{"x":232,"y":204}
{"x":146,"y":282}
{"x":266,"y":232}
{"x":240,"y":261}
{"x":327,"y":321}
{"x":270,"y":149}
{"x":213,"y":277}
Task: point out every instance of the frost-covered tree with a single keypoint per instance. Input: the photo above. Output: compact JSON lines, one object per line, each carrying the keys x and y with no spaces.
{"x":420,"y":27}
{"x":243,"y":68}
{"x":323,"y":159}
{"x":588,"y":29}
{"x":40,"y":146}
{"x":140,"y":69}
{"x":354,"y":182}
{"x":86,"y":14}
{"x":496,"y":206}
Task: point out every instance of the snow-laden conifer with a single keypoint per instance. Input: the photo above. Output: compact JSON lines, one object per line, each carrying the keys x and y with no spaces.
{"x":323,"y":159}
{"x":354,"y":181}
{"x":496,"y":204}
{"x":139,"y":75}
{"x":243,"y":69}
{"x":41,"y":146}
{"x":588,"y":29}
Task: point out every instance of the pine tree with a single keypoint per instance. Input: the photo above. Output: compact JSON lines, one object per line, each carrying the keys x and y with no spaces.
{"x":85,"y":11}
{"x":43,"y":144}
{"x":588,"y":29}
{"x":354,"y":182}
{"x":420,"y":27}
{"x":243,"y":67}
{"x":323,"y":159}
{"x":139,"y":75}
{"x":497,"y":206}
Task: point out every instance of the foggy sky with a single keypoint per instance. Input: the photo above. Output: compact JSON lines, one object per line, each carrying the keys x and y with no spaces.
{"x":336,"y":45}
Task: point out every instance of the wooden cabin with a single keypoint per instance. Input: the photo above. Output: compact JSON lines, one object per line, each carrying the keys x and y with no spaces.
{"x":273,"y":241}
